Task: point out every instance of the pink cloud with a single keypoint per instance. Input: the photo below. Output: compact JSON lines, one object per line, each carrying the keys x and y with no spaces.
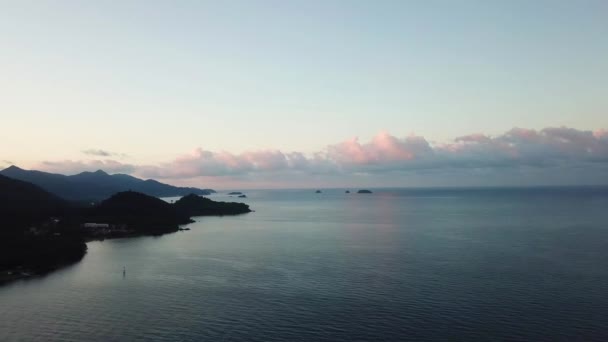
{"x":600,"y":133}
{"x":518,"y":147}
{"x":208,"y":163}
{"x":383,"y":148}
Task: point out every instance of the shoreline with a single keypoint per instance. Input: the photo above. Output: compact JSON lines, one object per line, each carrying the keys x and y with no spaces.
{"x":10,"y":276}
{"x":21,"y":273}
{"x":54,"y":244}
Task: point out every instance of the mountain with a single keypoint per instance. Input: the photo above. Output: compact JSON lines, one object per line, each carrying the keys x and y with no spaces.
{"x":98,"y":185}
{"x":30,"y":238}
{"x":22,"y":202}
{"x":147,"y":214}
{"x":140,"y":212}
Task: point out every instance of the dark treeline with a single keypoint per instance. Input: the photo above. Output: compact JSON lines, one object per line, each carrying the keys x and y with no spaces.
{"x":40,"y":231}
{"x":139,"y":212}
{"x":193,"y":205}
{"x":31,"y":238}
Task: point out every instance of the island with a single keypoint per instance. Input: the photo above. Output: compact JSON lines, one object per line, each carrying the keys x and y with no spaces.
{"x":364,"y":192}
{"x":41,"y":232}
{"x":235,"y":193}
{"x":194,"y":205}
{"x":347,"y":192}
{"x":318,"y":192}
{"x":242,"y":196}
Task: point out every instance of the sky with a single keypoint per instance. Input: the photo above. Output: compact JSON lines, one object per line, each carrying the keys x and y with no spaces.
{"x":272,"y":94}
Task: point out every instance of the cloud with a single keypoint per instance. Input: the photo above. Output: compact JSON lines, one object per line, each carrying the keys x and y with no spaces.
{"x":549,"y":147}
{"x":99,"y":153}
{"x":76,"y":166}
{"x":207,"y":163}
{"x":525,"y":147}
{"x":518,"y":152}
{"x":383,"y":152}
{"x":103,"y":153}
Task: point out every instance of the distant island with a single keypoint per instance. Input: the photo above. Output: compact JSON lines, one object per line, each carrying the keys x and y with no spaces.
{"x":318,"y":191}
{"x":235,"y":193}
{"x":364,"y":192}
{"x":96,"y":186}
{"x":347,"y":192}
{"x":193,"y":205}
{"x":41,"y":231}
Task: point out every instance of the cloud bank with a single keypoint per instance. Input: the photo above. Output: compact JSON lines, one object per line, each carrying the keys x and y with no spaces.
{"x":518,"y":151}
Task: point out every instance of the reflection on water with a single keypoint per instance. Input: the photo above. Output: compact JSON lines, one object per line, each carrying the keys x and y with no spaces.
{"x":395,"y":265}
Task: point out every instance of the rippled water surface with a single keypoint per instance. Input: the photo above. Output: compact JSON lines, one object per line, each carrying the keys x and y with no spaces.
{"x":391,"y":266}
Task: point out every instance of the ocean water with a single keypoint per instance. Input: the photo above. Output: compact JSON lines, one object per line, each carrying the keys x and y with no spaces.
{"x":396,"y":265}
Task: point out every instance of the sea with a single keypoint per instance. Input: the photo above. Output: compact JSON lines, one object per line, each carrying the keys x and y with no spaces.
{"x":487,"y":264}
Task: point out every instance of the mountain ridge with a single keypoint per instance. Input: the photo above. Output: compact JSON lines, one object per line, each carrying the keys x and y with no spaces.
{"x":96,"y":185}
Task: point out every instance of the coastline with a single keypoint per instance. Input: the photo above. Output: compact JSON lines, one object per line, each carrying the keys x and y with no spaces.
{"x":44,"y":243}
{"x":9,"y":276}
{"x":22,"y":273}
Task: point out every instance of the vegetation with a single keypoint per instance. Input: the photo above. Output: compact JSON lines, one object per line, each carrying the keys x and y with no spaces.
{"x":40,"y":253}
{"x":193,"y":205}
{"x":40,"y":231}
{"x":32,"y":238}
{"x":140,"y":213}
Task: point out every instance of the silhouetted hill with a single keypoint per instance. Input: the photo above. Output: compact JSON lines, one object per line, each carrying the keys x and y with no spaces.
{"x":96,"y":185}
{"x":140,"y":212}
{"x":146,"y":214}
{"x":22,"y":203}
{"x":194,"y":205}
{"x":40,"y":232}
{"x":14,"y":193}
{"x":30,"y":238}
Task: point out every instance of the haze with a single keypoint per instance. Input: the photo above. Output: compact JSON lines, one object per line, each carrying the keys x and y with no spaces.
{"x":259,"y":94}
